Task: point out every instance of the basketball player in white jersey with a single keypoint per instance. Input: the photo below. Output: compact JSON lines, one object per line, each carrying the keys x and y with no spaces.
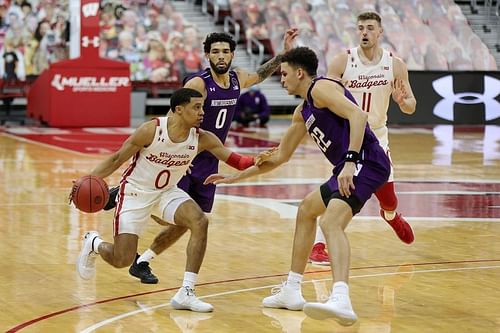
{"x":161,"y":150}
{"x":372,"y":75}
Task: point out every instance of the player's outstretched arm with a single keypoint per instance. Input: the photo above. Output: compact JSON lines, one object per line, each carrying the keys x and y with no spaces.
{"x":264,"y":71}
{"x":402,"y":93}
{"x":282,"y":154}
{"x":210,"y":142}
{"x":142,"y":137}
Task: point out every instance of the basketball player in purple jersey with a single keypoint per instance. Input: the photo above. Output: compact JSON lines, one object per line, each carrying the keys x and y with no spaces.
{"x":339,"y":127}
{"x":220,"y":87}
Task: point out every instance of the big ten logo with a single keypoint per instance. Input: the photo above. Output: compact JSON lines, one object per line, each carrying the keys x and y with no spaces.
{"x":90,"y":9}
{"x":444,"y":108}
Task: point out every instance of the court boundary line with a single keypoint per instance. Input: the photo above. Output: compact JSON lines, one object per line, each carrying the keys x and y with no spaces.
{"x":149,"y":308}
{"x":25,"y":324}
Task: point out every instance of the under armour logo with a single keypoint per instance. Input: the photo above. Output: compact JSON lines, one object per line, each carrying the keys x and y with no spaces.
{"x":86,"y":41}
{"x":444,"y":108}
{"x":90,"y":9}
{"x":212,"y":89}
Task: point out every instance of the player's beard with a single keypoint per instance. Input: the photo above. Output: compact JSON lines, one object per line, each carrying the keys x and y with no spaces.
{"x":218,"y":70}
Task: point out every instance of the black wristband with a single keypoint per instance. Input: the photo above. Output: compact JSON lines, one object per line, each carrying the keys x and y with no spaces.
{"x":351,"y":156}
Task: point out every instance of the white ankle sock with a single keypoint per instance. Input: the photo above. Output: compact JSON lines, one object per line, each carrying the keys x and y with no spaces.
{"x":95,"y":244}
{"x":148,"y":255}
{"x":320,"y":238}
{"x":294,"y":280}
{"x":340,"y":287}
{"x":389,"y":216}
{"x":189,"y":279}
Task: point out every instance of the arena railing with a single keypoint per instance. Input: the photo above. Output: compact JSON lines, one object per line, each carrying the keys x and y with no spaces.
{"x":231,"y":25}
{"x":255,"y":58}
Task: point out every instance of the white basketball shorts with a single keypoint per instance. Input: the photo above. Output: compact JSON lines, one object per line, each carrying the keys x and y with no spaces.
{"x":134,"y":207}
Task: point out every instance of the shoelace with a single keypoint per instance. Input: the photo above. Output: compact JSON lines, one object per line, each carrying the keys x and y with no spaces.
{"x":322,"y":252}
{"x":189,"y":291}
{"x":398,"y":225}
{"x":145,"y":266}
{"x":277,"y":289}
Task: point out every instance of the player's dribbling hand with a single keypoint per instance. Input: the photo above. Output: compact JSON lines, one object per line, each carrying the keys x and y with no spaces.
{"x":72,"y":193}
{"x":219,"y":178}
{"x":265,"y":155}
{"x":290,"y":36}
{"x":345,"y":179}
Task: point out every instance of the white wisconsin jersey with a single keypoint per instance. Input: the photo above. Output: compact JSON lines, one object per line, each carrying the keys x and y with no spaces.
{"x":162,"y":164}
{"x":371,"y":85}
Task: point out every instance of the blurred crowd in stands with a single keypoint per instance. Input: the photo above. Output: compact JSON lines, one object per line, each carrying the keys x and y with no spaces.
{"x":32,"y":35}
{"x":161,"y":46}
{"x":426,"y":34}
{"x":157,"y":41}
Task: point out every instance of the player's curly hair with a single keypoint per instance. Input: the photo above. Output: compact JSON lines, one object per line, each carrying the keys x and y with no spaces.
{"x":216,"y":37}
{"x":370,"y":16}
{"x":302,"y":57}
{"x":183,"y":96}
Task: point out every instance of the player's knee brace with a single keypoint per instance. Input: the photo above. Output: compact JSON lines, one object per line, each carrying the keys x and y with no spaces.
{"x":387,"y":197}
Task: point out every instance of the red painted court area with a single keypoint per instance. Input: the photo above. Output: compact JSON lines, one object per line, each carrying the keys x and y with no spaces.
{"x":416,"y":199}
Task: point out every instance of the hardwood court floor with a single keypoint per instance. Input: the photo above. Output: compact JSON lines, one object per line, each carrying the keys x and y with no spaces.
{"x":449,"y":188}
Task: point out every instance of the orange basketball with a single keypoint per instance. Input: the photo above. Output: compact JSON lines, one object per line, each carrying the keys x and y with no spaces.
{"x":90,"y":194}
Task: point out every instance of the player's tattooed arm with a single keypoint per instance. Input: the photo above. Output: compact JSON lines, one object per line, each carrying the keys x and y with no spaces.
{"x":269,"y":68}
{"x":249,"y":79}
{"x":262,"y":73}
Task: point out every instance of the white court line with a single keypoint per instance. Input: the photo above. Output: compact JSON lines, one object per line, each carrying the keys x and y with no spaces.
{"x":144,"y":309}
{"x":314,"y":181}
{"x":58,"y":138}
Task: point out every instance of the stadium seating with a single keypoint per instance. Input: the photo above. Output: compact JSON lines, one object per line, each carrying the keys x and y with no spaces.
{"x":427,"y":35}
{"x":162,"y":46}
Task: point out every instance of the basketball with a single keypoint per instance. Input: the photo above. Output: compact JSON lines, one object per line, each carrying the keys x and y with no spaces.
{"x":90,"y":194}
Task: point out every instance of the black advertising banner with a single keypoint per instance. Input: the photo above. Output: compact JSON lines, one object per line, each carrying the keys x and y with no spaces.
{"x":470,"y":98}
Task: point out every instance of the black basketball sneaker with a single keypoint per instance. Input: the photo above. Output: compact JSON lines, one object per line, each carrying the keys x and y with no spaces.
{"x":142,"y":271}
{"x":113,"y":192}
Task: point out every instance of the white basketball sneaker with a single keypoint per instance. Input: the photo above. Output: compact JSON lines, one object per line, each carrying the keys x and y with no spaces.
{"x":338,"y":307}
{"x":86,"y":260}
{"x":185,"y":299}
{"x":285,"y":297}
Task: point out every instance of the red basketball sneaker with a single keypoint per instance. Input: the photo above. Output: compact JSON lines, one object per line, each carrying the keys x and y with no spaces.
{"x":318,"y":255}
{"x":401,"y":227}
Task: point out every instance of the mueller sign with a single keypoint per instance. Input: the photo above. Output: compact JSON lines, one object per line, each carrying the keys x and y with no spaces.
{"x":89,"y":83}
{"x":444,"y":87}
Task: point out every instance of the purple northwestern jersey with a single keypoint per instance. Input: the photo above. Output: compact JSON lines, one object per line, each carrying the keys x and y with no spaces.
{"x":219,"y":107}
{"x":331,"y":133}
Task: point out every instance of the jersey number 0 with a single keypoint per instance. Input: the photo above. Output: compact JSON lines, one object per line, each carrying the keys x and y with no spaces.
{"x":162,"y":179}
{"x":221,"y":118}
